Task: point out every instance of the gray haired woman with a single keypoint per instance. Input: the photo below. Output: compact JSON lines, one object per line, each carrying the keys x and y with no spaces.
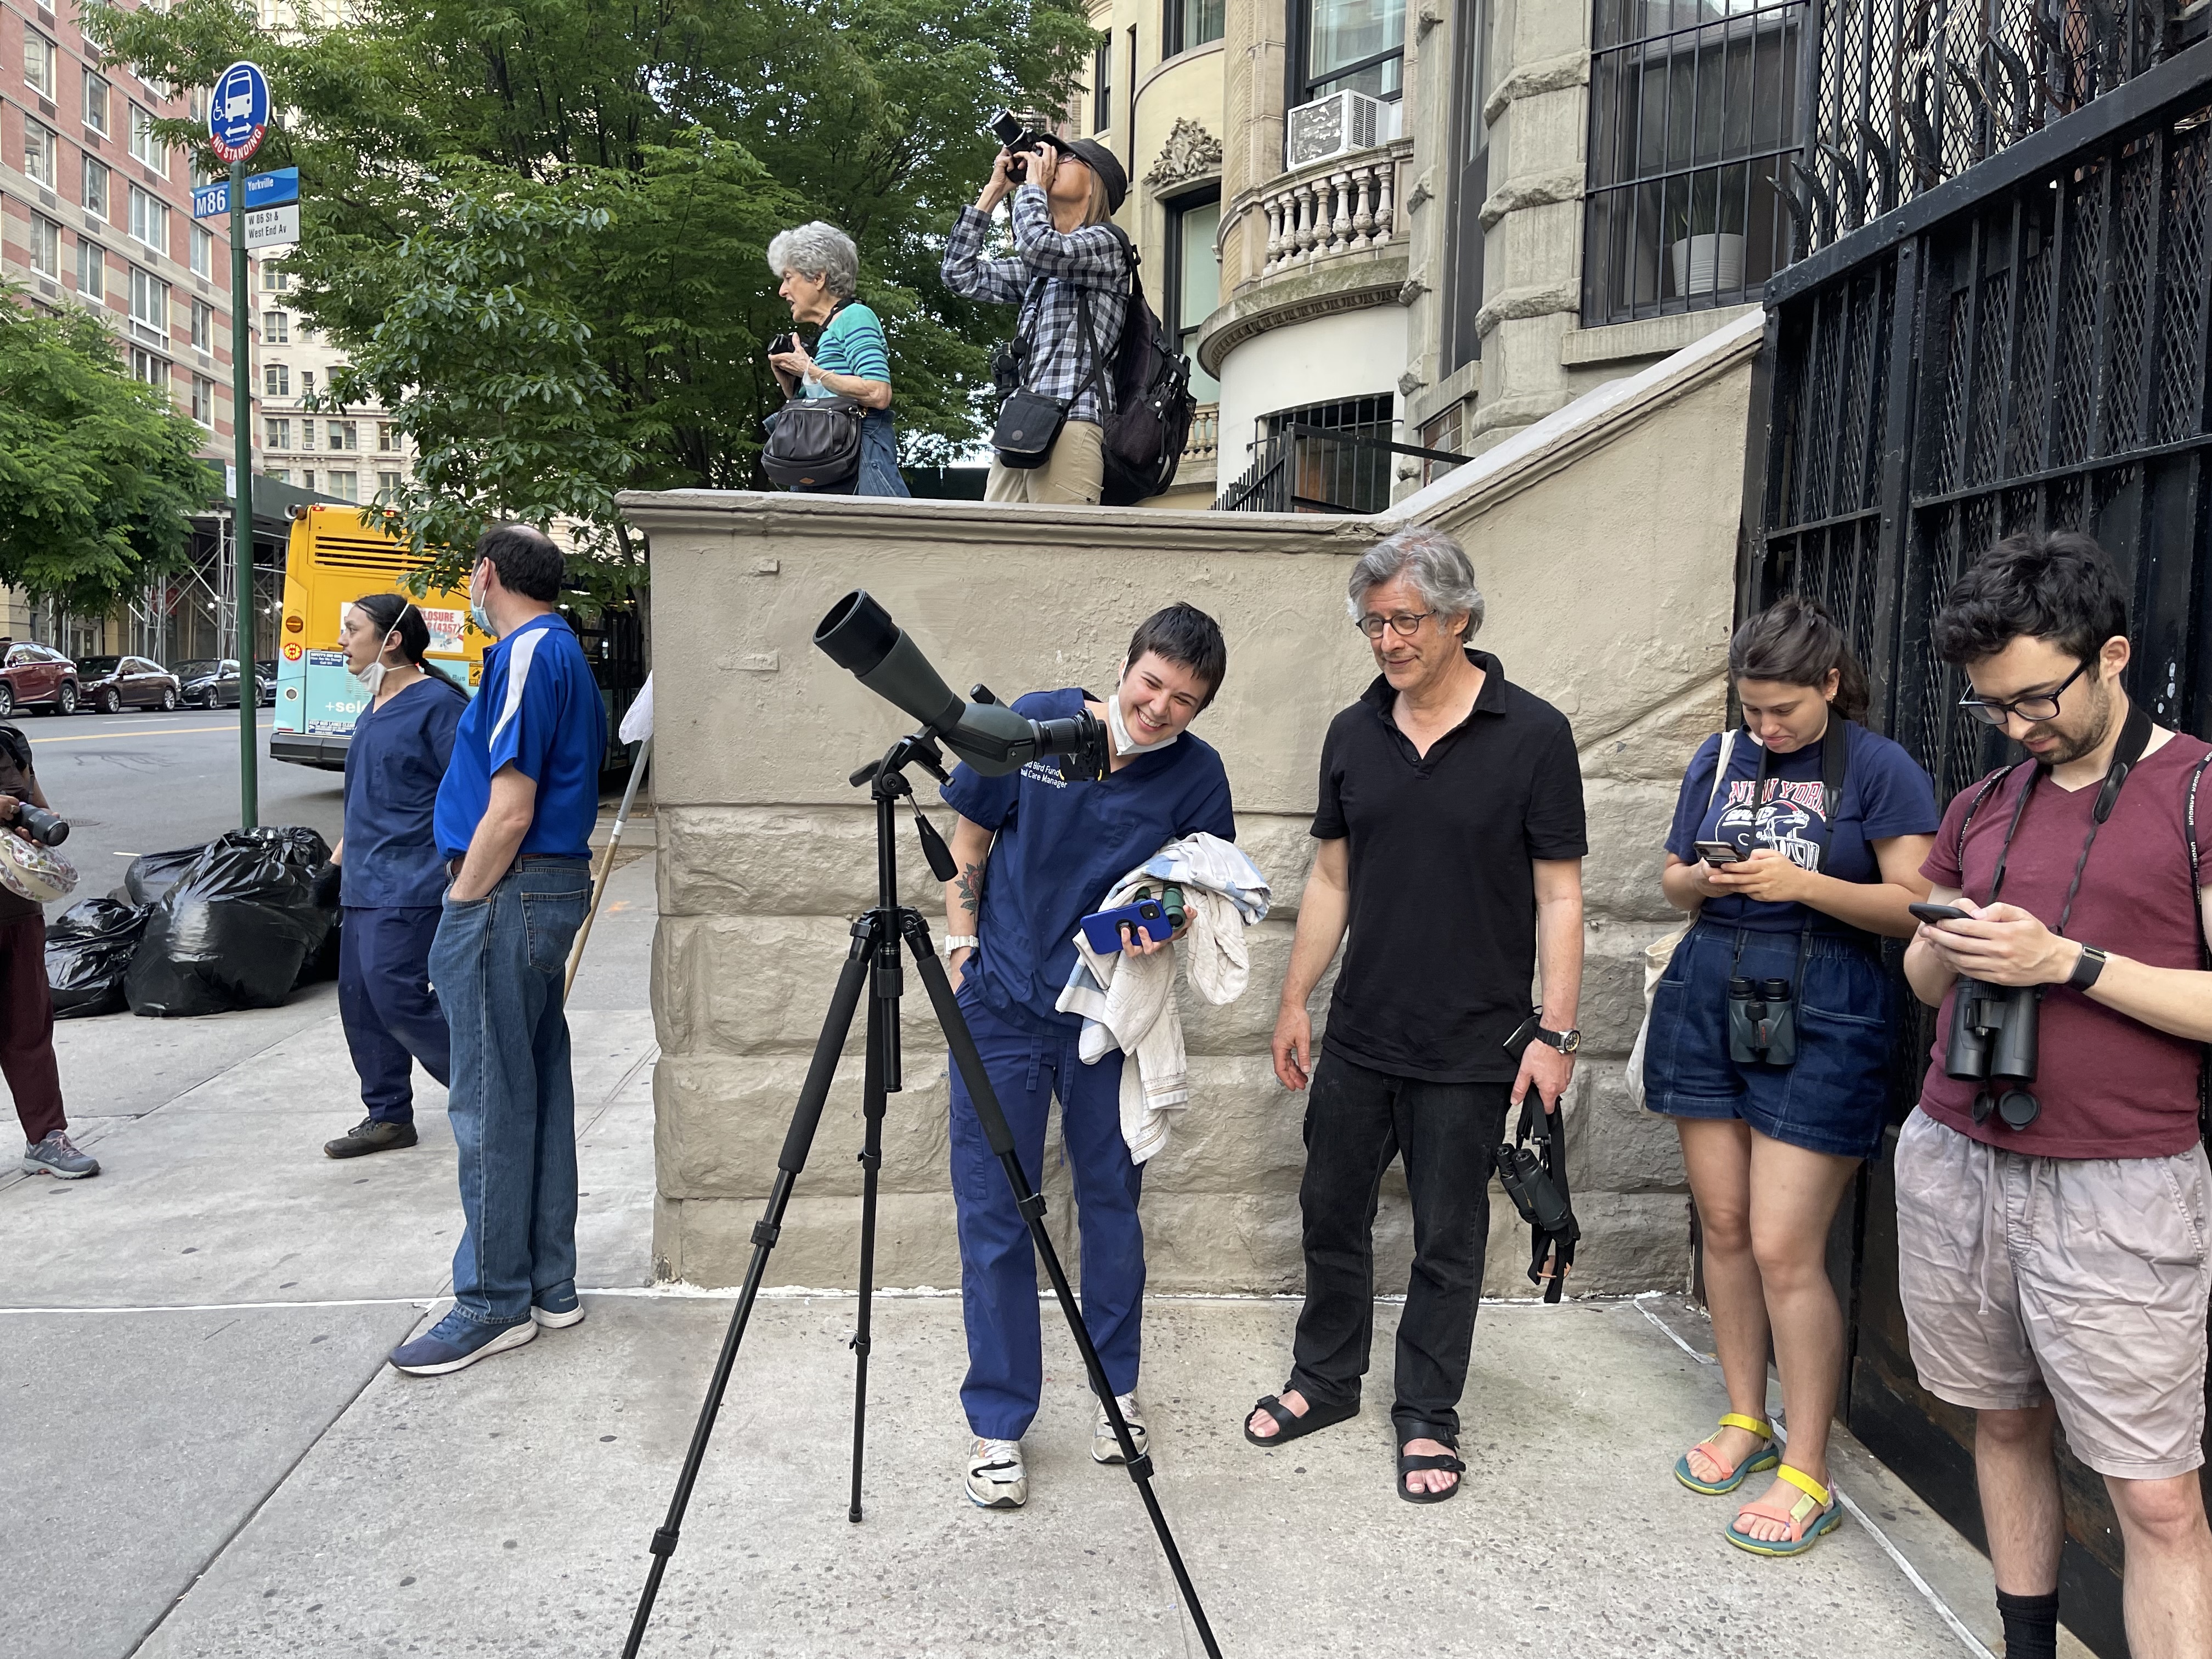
{"x":819,"y":268}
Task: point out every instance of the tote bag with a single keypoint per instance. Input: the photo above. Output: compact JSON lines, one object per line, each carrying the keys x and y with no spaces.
{"x":1659,"y":955}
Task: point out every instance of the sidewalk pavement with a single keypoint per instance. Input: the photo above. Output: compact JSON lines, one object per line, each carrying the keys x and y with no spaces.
{"x":208,"y":1456}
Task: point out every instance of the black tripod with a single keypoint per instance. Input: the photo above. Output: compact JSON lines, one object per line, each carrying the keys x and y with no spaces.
{"x":875,"y":956}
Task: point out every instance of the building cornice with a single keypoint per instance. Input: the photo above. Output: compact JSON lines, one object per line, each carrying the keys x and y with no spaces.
{"x":1341,"y":282}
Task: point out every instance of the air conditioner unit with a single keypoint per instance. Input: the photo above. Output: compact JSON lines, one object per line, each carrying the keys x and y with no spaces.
{"x":1337,"y":125}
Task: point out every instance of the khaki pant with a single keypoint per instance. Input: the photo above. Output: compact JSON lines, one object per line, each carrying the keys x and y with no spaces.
{"x":1073,"y":473}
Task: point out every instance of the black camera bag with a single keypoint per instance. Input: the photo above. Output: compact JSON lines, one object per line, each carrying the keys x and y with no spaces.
{"x":814,"y":444}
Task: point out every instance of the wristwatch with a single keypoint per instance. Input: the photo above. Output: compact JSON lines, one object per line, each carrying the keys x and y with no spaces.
{"x":960,"y":942}
{"x":2086,"y":969}
{"x":1565,"y":1041}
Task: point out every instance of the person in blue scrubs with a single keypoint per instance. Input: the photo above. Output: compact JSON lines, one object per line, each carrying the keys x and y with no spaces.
{"x":1035,"y":853}
{"x":392,"y":878}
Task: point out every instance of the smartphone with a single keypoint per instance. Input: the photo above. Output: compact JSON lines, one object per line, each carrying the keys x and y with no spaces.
{"x":1101,"y":929}
{"x":1718,"y":852}
{"x":1939,"y":913}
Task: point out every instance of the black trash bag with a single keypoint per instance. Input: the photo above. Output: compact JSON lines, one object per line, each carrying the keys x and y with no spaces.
{"x":236,"y":929}
{"x":89,"y":951}
{"x":152,"y":874}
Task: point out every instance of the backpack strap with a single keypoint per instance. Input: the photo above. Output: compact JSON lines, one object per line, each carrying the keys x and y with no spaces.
{"x":2203,"y":945}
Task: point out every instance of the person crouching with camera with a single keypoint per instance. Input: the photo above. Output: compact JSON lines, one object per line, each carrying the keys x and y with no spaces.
{"x":1070,"y":277}
{"x":2053,"y":1200}
{"x":27,"y":1006}
{"x":1034,"y":852}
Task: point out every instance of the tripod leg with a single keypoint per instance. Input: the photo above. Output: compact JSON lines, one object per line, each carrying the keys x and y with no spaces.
{"x":804,"y":1119}
{"x":1031,"y":1205}
{"x":880,"y":1013}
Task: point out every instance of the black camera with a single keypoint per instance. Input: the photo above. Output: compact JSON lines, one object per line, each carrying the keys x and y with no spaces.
{"x":47,"y":829}
{"x":1017,"y":141}
{"x":858,"y":635}
{"x":1993,"y":1043}
{"x":782,"y":343}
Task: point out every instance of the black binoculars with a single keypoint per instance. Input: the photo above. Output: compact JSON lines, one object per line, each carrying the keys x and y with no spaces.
{"x":1762,"y":1022}
{"x":1993,"y":1043}
{"x":1521,"y":1172}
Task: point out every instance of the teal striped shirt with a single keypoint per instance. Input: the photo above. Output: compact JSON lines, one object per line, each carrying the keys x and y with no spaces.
{"x":851,"y":344}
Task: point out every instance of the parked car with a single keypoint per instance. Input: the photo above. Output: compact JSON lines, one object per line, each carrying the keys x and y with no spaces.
{"x":211,"y":685}
{"x":32,"y":677}
{"x":112,"y":684}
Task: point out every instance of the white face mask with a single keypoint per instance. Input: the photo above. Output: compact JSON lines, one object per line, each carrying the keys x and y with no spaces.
{"x":371,"y":678}
{"x":1124,"y":742}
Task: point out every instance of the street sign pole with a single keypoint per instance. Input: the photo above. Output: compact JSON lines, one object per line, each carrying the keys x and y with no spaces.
{"x":241,"y":541}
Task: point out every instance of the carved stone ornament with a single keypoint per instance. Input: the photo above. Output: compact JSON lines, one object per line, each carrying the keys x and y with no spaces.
{"x":1190,"y":152}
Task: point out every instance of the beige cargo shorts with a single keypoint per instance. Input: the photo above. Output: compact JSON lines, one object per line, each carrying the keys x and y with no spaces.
{"x":2084,"y":1281}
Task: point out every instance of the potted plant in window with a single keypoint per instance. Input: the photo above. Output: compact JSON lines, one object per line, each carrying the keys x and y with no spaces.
{"x":1707,"y":242}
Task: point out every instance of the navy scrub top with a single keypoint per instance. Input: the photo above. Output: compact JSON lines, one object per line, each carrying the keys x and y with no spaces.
{"x":394,"y":764}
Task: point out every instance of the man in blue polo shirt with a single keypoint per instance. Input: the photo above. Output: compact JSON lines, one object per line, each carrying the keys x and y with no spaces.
{"x":513,"y":822}
{"x":1035,"y":854}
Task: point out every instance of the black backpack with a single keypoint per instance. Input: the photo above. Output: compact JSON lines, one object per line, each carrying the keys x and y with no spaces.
{"x":1148,"y":419}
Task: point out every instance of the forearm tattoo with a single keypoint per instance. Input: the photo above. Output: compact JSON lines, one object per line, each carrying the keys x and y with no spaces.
{"x":970,"y":882}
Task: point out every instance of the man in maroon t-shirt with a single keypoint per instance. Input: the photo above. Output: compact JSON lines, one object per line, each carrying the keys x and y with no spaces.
{"x":2052,"y":1229}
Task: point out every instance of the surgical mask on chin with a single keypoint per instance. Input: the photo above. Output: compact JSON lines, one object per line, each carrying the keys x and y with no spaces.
{"x":371,"y":678}
{"x":1124,"y":742}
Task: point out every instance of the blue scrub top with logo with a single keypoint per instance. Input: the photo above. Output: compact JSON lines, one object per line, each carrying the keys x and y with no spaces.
{"x":1062,"y":847}
{"x":539,"y":710}
{"x":395,"y":762}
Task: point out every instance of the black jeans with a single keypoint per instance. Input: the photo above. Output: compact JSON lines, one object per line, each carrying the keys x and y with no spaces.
{"x":1357,"y":1120}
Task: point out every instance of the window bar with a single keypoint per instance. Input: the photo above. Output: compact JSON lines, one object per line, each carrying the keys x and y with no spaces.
{"x":2017,"y":287}
{"x":2202,"y":185}
{"x":2106,"y":255}
{"x":2154,"y":305}
{"x":1832,"y":497}
{"x":1691,"y":141}
{"x":1895,"y":496}
{"x":2061,"y":251}
{"x":1955,"y":465}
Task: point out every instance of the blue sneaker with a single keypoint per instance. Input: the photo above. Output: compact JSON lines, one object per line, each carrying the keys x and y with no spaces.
{"x":458,"y":1341}
{"x":559,"y":1308}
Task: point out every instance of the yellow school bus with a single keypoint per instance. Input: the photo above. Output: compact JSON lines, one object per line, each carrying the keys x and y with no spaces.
{"x":333,"y":560}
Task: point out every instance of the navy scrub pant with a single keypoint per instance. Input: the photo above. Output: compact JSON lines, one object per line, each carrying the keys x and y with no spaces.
{"x":997,"y":1261}
{"x":391,"y":1014}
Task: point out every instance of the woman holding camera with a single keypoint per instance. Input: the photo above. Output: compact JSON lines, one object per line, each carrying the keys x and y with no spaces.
{"x":818,"y":268}
{"x":1798,"y":843}
{"x":1071,"y":269}
{"x":392,"y":878}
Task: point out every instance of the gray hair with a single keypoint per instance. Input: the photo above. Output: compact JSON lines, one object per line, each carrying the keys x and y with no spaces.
{"x":817,"y":249}
{"x":1429,"y":559}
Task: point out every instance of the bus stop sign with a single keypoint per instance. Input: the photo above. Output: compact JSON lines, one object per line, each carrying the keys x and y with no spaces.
{"x":238,"y":114}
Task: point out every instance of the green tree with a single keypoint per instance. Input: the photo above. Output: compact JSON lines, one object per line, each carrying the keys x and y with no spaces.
{"x":538,"y":228}
{"x":98,"y":477}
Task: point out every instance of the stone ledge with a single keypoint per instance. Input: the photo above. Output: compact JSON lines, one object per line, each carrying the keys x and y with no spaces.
{"x":1568,"y":70}
{"x":1654,"y":337}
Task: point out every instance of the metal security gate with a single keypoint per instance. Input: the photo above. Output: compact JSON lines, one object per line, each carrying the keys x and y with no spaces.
{"x":2021,"y":346}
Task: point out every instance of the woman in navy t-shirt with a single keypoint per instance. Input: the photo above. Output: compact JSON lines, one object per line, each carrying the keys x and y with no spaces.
{"x":391,"y":877}
{"x":1770,"y":1147}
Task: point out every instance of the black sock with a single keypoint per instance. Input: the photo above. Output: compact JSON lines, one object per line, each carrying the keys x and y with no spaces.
{"x":2030,"y":1625}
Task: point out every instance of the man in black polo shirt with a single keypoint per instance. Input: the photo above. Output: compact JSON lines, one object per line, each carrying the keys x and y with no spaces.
{"x":1451,"y":837}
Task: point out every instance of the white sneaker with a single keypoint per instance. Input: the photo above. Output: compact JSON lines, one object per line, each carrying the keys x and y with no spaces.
{"x":1105,"y":1448}
{"x":996,"y":1478}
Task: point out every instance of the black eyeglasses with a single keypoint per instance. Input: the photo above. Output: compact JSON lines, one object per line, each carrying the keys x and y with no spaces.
{"x":1406,"y":623}
{"x":2044,"y":706}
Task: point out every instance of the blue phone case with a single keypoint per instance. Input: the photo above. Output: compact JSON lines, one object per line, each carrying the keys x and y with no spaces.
{"x":1102,"y":928}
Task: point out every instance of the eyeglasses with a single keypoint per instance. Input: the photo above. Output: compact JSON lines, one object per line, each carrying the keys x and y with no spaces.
{"x":1406,"y":623}
{"x":2042,"y":707}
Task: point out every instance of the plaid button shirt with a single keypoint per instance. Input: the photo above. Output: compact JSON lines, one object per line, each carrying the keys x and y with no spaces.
{"x":1044,"y":278}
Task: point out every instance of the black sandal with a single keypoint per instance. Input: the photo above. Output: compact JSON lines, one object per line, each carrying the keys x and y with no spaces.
{"x":1410,"y":1463}
{"x":1288,"y":1425}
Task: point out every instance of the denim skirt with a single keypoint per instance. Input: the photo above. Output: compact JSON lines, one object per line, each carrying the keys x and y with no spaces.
{"x":1834,"y":1099}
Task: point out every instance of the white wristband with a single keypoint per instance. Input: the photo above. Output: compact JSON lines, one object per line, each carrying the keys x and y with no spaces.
{"x":960,"y":942}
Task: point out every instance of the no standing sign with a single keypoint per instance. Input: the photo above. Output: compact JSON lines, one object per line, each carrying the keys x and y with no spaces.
{"x":238,"y":114}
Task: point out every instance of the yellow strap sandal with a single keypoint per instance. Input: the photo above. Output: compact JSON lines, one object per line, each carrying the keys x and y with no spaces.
{"x":1815,"y":1512}
{"x":1765,"y":1457}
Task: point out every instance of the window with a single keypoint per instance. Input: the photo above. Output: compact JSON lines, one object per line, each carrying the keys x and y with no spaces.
{"x":39,"y":62}
{"x":145,"y":366}
{"x":149,"y":308}
{"x":344,"y":434}
{"x":1347,"y":45}
{"x":1194,"y":281}
{"x":45,"y":247}
{"x":1102,"y":85}
{"x":346,"y":486}
{"x":281,"y":474}
{"x":91,"y":269}
{"x":95,"y":188}
{"x":204,"y":401}
{"x":387,"y":437}
{"x":144,"y":145}
{"x":202,"y":327}
{"x":203,"y":252}
{"x":38,"y":152}
{"x":275,"y":380}
{"x":307,"y":383}
{"x":273,"y":281}
{"x":1693,"y":118}
{"x":277,"y":433}
{"x":307,"y":479}
{"x":95,"y":103}
{"x":387,"y":484}
{"x":1190,"y":23}
{"x":307,"y":434}
{"x":1470,"y":176}
{"x":149,"y":219}
{"x":277,"y":328}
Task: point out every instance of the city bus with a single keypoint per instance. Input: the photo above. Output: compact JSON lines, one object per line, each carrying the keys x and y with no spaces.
{"x":333,"y":560}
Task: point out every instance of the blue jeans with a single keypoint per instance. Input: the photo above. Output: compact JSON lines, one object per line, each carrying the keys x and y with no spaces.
{"x":998,"y":1262}
{"x":498,"y":965}
{"x":879,"y":473}
{"x":391,"y":1014}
